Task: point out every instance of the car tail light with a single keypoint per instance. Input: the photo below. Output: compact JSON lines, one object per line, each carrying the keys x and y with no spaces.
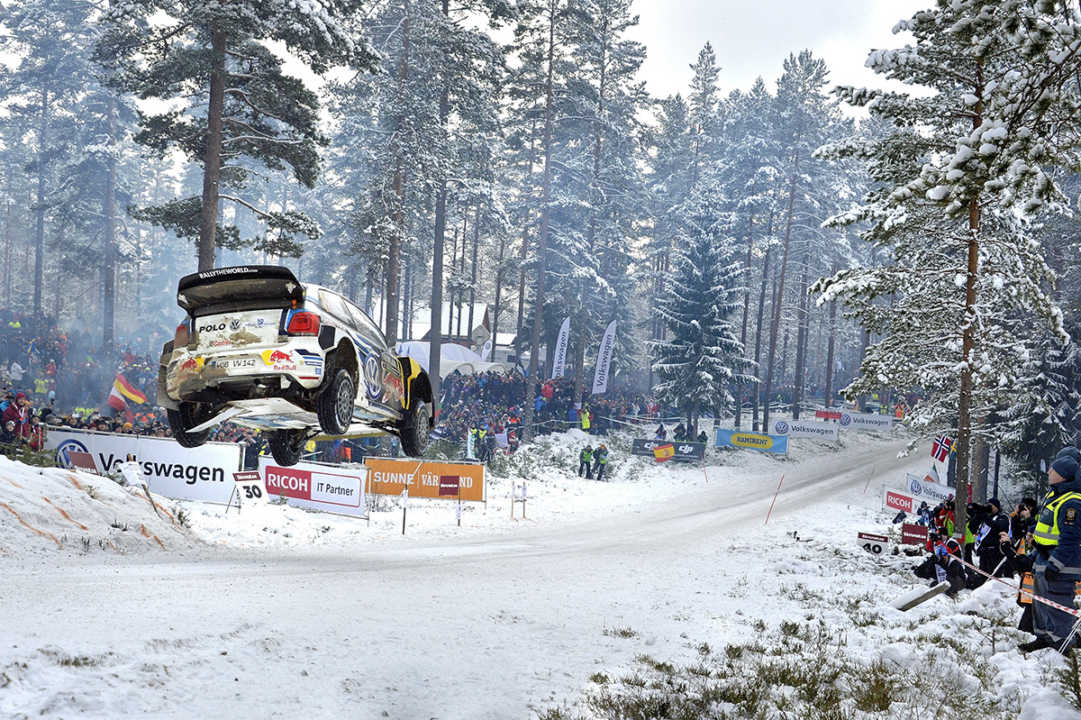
{"x":181,"y":337}
{"x":303,"y":323}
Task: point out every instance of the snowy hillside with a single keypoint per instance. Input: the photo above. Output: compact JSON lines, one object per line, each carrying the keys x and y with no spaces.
{"x":663,"y":586}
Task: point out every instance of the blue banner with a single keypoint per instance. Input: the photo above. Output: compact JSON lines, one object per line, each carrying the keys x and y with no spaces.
{"x":756,"y":441}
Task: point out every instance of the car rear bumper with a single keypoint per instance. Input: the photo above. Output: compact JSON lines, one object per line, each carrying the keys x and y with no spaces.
{"x":298,"y":365}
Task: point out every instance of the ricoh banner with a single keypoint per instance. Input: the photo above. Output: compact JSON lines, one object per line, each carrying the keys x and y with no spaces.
{"x":685,"y":451}
{"x":777,"y":444}
{"x":204,"y":473}
{"x":865,"y":421}
{"x":328,"y":488}
{"x":806,"y":429}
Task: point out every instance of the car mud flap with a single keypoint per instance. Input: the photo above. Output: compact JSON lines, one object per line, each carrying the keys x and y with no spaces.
{"x":224,"y":415}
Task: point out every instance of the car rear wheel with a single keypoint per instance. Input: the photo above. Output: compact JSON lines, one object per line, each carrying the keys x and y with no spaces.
{"x":188,"y":416}
{"x":287,"y":446}
{"x":334,"y":405}
{"x":415,"y":429}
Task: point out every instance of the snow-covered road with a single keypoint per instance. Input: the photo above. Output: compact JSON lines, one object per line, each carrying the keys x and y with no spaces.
{"x":476,"y":627}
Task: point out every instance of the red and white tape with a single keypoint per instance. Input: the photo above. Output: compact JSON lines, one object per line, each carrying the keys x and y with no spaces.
{"x":1021,"y":590}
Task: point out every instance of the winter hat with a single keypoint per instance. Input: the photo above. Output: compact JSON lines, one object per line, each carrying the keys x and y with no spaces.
{"x":995,"y":501}
{"x":20,"y":396}
{"x":1071,"y":452}
{"x":1066,"y":467}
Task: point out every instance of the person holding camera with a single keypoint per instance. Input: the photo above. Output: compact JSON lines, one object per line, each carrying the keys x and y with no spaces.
{"x":993,"y":522}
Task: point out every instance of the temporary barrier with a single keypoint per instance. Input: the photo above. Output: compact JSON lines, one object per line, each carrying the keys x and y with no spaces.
{"x":315,"y":486}
{"x":865,"y":421}
{"x":913,"y":534}
{"x":685,"y":451}
{"x":204,"y":473}
{"x":392,"y":476}
{"x":756,"y":441}
{"x":806,"y":428}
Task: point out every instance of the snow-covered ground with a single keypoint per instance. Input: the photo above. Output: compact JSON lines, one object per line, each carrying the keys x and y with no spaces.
{"x":278,"y":612}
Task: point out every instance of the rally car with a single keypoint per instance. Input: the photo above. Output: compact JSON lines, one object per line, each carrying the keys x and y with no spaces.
{"x":297,"y":361}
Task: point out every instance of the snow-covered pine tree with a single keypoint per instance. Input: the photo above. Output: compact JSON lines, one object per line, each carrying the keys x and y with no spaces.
{"x":702,"y":357}
{"x":235,"y":101}
{"x":51,"y":42}
{"x":955,"y":182}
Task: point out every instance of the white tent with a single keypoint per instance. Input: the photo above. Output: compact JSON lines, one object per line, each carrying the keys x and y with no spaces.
{"x":452,"y":357}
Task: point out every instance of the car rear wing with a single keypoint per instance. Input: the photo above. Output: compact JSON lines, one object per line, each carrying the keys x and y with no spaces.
{"x":244,"y":287}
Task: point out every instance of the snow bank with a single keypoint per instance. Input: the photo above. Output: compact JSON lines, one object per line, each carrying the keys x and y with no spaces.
{"x":44,"y":511}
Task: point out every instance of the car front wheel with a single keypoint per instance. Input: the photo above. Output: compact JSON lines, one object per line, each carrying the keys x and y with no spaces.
{"x":287,"y":446}
{"x":415,"y":428}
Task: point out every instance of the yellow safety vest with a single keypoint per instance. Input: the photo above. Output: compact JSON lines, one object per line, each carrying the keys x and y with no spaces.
{"x":585,"y":419}
{"x":1046,"y":533}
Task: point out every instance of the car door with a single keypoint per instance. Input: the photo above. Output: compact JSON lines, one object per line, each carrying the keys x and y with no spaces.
{"x":389,"y":368}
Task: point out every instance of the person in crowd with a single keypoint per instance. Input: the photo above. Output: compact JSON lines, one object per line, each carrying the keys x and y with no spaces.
{"x":661,"y":433}
{"x":703,"y":437}
{"x":1056,"y":562}
{"x":585,"y":462}
{"x":8,"y":437}
{"x":925,"y":516}
{"x":19,"y":411}
{"x":601,"y":461}
{"x":948,"y":554}
{"x":680,"y":433}
{"x":586,"y":418}
{"x":988,"y":542}
{"x":33,"y":434}
{"x":1021,"y":525}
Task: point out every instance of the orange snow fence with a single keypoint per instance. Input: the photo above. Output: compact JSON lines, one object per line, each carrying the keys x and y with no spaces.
{"x":33,"y":529}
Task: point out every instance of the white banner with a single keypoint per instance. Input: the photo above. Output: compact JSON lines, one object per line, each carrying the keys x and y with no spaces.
{"x":604,"y":359}
{"x":866,"y":421}
{"x":930,"y":492}
{"x":559,"y":364}
{"x":806,"y":428}
{"x":204,"y":473}
{"x":315,"y":486}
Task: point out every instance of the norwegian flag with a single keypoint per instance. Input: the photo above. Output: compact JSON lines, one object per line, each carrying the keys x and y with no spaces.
{"x":940,"y":448}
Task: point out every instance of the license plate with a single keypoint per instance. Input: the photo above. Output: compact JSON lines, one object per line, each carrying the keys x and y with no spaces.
{"x":234,"y":363}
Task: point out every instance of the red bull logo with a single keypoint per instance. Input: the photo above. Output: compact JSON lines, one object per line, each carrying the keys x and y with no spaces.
{"x":273,"y":357}
{"x":192,"y":363}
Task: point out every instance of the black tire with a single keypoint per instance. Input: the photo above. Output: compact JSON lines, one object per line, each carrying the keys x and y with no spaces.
{"x":334,"y":404}
{"x":184,"y":418}
{"x":287,"y":446}
{"x":415,"y":429}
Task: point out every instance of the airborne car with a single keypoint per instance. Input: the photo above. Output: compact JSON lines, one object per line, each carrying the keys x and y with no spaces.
{"x":260,"y":349}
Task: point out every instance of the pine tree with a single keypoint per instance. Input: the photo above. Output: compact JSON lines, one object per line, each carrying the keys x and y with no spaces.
{"x":953,"y":179}
{"x":239,"y":103}
{"x":703,"y":357}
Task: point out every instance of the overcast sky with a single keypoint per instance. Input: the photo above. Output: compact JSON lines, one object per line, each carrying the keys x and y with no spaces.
{"x":753,"y":37}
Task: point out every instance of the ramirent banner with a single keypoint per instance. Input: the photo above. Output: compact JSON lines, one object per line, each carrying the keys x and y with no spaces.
{"x":756,"y":441}
{"x":929,"y":492}
{"x":204,"y":473}
{"x":604,"y":359}
{"x":559,"y":364}
{"x":806,"y":428}
{"x":686,"y":451}
{"x":865,"y":421}
{"x":315,"y":486}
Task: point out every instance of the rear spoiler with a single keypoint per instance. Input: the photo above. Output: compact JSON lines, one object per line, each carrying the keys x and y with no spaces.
{"x":271,"y":282}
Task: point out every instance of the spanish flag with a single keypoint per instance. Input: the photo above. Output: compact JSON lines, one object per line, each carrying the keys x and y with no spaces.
{"x":664,"y":452}
{"x":123,"y":387}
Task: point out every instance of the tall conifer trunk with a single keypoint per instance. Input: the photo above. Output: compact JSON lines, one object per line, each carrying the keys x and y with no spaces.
{"x":778,"y":300}
{"x":208,"y":217}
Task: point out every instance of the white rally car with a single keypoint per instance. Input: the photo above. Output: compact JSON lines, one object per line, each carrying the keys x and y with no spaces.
{"x":260,"y":349}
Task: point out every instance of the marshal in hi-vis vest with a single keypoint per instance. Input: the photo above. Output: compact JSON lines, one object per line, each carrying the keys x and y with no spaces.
{"x":1046,"y":533}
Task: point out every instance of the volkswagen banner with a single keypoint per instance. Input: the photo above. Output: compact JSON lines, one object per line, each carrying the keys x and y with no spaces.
{"x":807,"y":429}
{"x":685,"y":451}
{"x":865,"y":421}
{"x":930,"y":492}
{"x":204,"y":473}
{"x":777,"y":444}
